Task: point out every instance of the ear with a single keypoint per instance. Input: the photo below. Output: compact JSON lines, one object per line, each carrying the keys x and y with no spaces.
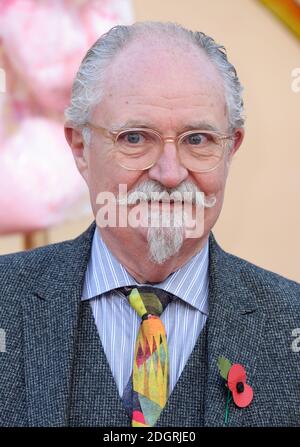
{"x":238,"y":137}
{"x":75,"y":140}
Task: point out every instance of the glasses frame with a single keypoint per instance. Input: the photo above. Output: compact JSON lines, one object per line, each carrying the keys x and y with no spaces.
{"x":114,"y":135}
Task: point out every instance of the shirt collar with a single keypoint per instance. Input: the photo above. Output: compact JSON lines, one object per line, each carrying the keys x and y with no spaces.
{"x":104,"y":273}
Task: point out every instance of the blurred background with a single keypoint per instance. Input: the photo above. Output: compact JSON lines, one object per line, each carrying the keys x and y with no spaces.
{"x":43,"y":199}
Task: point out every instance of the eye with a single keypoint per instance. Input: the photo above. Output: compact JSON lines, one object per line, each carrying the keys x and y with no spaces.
{"x":136,"y":138}
{"x":196,"y":139}
{"x":131,"y":138}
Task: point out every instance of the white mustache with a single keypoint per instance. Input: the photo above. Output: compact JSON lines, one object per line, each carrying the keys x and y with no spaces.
{"x":151,"y":190}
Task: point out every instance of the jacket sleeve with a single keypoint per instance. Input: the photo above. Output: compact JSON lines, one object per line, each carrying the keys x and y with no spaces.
{"x":13,"y":411}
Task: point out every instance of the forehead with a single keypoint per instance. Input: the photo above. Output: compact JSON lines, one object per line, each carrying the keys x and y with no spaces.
{"x":156,"y":78}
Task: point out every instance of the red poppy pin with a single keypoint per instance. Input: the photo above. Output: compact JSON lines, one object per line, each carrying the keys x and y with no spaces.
{"x":238,"y":389}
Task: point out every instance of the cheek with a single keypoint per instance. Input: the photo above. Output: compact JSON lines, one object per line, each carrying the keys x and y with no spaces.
{"x":106,"y":175}
{"x":211,"y":183}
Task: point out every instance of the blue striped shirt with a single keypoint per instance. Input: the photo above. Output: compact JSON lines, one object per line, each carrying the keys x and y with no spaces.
{"x":118,"y":323}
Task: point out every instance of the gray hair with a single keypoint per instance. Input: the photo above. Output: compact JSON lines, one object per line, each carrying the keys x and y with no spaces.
{"x":88,"y":84}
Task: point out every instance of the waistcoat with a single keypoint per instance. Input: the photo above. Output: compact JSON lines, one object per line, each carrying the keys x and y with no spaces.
{"x":95,"y":400}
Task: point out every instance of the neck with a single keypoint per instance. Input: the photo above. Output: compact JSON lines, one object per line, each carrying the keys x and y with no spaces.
{"x":131,"y":249}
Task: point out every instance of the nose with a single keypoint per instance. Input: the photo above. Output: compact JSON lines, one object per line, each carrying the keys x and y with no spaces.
{"x":168,"y":170}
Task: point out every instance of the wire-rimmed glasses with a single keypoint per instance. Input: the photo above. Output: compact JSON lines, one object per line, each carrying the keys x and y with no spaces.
{"x":139,"y":148}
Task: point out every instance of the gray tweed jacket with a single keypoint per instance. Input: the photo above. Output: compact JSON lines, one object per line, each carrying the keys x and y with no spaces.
{"x":252,"y":316}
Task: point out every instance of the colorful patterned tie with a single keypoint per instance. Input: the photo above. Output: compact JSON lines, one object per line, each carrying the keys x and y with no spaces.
{"x":146,"y":393}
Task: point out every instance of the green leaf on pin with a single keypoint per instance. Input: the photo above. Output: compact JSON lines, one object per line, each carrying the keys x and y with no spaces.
{"x":224,"y":366}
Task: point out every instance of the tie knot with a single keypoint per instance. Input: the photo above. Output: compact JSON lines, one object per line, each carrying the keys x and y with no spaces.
{"x":147,"y":300}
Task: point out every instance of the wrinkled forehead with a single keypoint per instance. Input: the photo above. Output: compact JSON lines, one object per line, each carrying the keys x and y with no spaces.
{"x":163,"y":69}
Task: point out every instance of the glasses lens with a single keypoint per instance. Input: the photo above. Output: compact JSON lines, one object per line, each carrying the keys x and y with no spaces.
{"x":201,"y":151}
{"x":137,"y":148}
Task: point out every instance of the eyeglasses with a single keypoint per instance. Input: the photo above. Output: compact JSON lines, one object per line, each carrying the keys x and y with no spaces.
{"x":139,"y":148}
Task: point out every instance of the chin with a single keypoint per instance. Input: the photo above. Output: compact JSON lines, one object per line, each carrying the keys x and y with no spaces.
{"x":164,"y":243}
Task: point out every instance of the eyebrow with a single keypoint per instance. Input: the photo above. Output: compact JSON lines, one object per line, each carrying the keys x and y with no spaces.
{"x":202,"y":125}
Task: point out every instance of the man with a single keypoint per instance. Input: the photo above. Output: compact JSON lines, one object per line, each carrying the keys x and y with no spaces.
{"x":158,"y":109}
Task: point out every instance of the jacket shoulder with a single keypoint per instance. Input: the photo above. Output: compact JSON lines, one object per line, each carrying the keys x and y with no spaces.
{"x":16,"y":267}
{"x":263,"y":275}
{"x":20,"y":271}
{"x":271,"y":288}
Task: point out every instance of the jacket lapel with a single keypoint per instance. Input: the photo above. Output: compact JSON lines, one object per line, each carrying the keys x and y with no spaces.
{"x":235,"y":331}
{"x":50,"y":318}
